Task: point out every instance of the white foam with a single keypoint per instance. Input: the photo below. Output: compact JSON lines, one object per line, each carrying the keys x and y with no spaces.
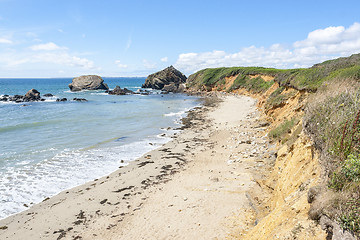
{"x":33,"y":183}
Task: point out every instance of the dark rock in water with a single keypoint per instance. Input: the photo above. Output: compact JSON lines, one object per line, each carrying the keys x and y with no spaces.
{"x":32,"y":95}
{"x":80,"y":99}
{"x":142,"y":92}
{"x":119,"y":91}
{"x":16,"y":98}
{"x":170,"y":77}
{"x":88,"y":82}
{"x":61,"y":100}
{"x":48,"y":95}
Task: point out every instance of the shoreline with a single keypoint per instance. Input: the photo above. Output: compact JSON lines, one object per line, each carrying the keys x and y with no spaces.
{"x":112,"y":205}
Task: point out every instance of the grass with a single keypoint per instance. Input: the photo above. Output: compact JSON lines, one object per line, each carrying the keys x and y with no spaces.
{"x":211,"y":77}
{"x":307,"y":79}
{"x":283,"y":129}
{"x":254,"y":85}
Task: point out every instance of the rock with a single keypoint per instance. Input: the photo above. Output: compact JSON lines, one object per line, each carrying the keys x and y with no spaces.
{"x":32,"y":95}
{"x":334,"y":230}
{"x":313,"y":193}
{"x":119,"y":91}
{"x":172,"y":87}
{"x":17,"y":98}
{"x":169,"y":77}
{"x":48,"y":95}
{"x":80,"y":99}
{"x":142,"y":92}
{"x":61,"y":100}
{"x":88,"y":82}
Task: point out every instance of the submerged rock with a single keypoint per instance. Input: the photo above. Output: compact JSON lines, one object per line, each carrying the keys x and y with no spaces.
{"x":169,"y":78}
{"x":88,"y":82}
{"x":80,"y":99}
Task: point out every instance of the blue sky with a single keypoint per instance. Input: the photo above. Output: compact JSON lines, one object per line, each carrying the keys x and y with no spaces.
{"x":48,"y":38}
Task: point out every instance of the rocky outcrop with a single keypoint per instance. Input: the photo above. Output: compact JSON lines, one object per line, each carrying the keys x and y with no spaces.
{"x":170,"y":78}
{"x":31,"y":96}
{"x":88,"y":82}
{"x":119,"y":91}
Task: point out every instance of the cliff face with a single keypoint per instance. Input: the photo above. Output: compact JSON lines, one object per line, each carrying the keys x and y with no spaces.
{"x":304,"y":160}
{"x":170,"y":78}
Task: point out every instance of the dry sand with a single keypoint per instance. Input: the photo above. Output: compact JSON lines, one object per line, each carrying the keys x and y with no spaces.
{"x":200,"y":185}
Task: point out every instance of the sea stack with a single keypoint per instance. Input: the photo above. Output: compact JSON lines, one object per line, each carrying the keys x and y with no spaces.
{"x":88,"y":82}
{"x":169,"y":80}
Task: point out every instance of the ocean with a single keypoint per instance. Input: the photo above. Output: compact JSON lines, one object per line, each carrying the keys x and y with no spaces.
{"x":47,"y":147}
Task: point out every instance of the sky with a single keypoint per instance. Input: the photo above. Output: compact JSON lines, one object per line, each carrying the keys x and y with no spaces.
{"x":128,"y":38}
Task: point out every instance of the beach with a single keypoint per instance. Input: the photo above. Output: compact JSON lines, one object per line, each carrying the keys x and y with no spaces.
{"x":200,"y":185}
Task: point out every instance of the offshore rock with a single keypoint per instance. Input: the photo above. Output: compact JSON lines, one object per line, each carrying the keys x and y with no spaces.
{"x":119,"y":91}
{"x":169,"y":77}
{"x":88,"y":82}
{"x":32,"y":95}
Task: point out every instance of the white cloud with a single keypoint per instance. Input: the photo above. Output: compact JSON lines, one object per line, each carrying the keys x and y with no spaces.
{"x":320,"y":45}
{"x":120,"y":65}
{"x":164,"y":59}
{"x":148,"y":64}
{"x":5,"y":41}
{"x":128,"y":44}
{"x":46,"y":47}
{"x":64,"y":59}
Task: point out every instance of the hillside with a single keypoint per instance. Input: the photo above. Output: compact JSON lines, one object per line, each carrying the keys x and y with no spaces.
{"x":314,"y":118}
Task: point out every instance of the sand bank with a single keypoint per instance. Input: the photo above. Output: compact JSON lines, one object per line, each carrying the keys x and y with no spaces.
{"x":200,"y":185}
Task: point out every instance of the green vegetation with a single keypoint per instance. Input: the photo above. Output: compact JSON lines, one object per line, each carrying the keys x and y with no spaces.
{"x":307,"y":79}
{"x":278,"y":98}
{"x":350,"y":219}
{"x":216,"y":76}
{"x":333,"y":120}
{"x":255,"y":85}
{"x":310,"y":79}
{"x":283,"y":129}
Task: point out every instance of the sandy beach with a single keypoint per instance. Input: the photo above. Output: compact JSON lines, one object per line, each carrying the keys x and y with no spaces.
{"x":200,"y":185}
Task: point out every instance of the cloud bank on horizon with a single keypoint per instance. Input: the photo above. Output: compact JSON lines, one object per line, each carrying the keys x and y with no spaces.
{"x":320,"y":45}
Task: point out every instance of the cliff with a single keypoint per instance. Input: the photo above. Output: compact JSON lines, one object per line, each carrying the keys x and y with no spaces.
{"x":314,"y":183}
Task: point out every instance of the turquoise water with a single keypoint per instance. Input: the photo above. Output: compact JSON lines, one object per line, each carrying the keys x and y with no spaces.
{"x":50,"y":146}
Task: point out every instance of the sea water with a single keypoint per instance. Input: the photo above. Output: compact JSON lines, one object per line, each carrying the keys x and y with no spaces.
{"x":47,"y":147}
